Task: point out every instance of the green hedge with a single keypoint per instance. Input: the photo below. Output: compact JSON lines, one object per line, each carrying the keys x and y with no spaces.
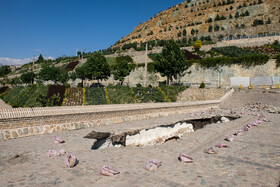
{"x":23,"y":100}
{"x":34,"y":99}
{"x":233,"y":51}
{"x":19,"y":97}
{"x":148,"y":95}
{"x":95,"y":96}
{"x":120,"y":94}
{"x":245,"y":61}
{"x":124,"y":58}
{"x":12,"y":94}
{"x":172,"y":92}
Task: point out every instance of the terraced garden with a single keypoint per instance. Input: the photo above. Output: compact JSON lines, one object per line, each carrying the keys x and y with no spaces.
{"x":57,"y":95}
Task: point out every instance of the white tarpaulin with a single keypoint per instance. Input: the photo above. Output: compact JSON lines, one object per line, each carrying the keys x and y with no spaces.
{"x":237,"y":81}
{"x":259,"y":81}
{"x":276,"y":80}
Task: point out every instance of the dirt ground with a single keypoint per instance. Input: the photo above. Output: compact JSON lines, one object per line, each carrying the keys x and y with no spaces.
{"x":197,"y":94}
{"x":252,"y":159}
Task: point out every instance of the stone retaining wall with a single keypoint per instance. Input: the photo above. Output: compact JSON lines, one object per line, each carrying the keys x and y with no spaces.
{"x":22,"y":122}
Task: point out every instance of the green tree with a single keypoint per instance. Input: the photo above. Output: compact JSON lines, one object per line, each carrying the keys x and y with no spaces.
{"x":28,"y":77}
{"x":192,"y":31}
{"x":197,"y":45}
{"x":210,"y":29}
{"x":49,"y":73}
{"x":79,"y":54}
{"x":15,"y":81}
{"x":63,"y":77}
{"x":80,"y":73}
{"x":5,"y":70}
{"x":4,"y":81}
{"x":97,"y":68}
{"x":184,"y":32}
{"x":179,"y":34}
{"x":120,"y":70}
{"x":171,"y":62}
{"x":40,"y":59}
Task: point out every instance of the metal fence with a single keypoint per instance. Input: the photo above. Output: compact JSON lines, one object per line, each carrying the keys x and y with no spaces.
{"x":255,"y":81}
{"x":250,"y":36}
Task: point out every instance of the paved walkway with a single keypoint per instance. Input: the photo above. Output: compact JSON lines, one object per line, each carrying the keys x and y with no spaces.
{"x":253,"y":159}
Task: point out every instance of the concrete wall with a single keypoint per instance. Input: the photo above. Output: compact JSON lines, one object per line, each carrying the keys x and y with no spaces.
{"x":212,"y":77}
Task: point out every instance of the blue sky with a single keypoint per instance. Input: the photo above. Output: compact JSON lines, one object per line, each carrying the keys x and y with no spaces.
{"x":59,"y":27}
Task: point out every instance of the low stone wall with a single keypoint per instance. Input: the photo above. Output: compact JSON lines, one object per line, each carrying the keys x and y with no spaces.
{"x":22,"y":122}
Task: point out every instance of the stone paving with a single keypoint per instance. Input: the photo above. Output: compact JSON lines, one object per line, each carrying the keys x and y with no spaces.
{"x":252,"y":159}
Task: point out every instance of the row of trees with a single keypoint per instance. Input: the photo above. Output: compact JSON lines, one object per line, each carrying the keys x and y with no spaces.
{"x":171,"y":63}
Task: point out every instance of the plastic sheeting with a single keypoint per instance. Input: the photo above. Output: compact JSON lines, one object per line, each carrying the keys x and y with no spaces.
{"x":259,"y":81}
{"x":276,"y":80}
{"x":237,"y":81}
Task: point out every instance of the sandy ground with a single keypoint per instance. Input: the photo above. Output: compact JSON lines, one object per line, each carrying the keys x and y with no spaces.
{"x":197,"y":94}
{"x":4,"y":105}
{"x":252,"y":159}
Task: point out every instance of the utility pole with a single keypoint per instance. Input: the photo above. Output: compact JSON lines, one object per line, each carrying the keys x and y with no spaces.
{"x":33,"y":59}
{"x":146,"y":64}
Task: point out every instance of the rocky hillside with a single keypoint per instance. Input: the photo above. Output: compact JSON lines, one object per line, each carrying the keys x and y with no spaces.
{"x":215,"y":18}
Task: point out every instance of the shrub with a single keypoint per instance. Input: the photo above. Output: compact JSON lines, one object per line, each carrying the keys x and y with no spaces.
{"x":39,"y":97}
{"x":233,"y":51}
{"x":197,"y":45}
{"x":173,"y":91}
{"x":13,"y":93}
{"x":258,"y":22}
{"x":23,"y":100}
{"x":245,"y":61}
{"x":74,"y":96}
{"x":95,"y":96}
{"x":124,"y":58}
{"x":202,"y":85}
{"x":190,"y":56}
{"x":120,"y":94}
{"x":21,"y":97}
{"x":210,"y":29}
{"x":216,"y":28}
{"x":148,"y":95}
{"x":57,"y":90}
{"x":3,"y":89}
{"x":72,"y":65}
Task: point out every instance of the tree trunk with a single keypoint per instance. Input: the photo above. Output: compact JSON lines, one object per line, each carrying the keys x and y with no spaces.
{"x":167,"y":80}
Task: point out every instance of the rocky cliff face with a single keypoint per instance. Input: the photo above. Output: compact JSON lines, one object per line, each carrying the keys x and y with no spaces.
{"x":215,"y":18}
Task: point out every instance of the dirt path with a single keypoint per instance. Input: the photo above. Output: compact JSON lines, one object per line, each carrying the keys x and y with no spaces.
{"x":253,"y":159}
